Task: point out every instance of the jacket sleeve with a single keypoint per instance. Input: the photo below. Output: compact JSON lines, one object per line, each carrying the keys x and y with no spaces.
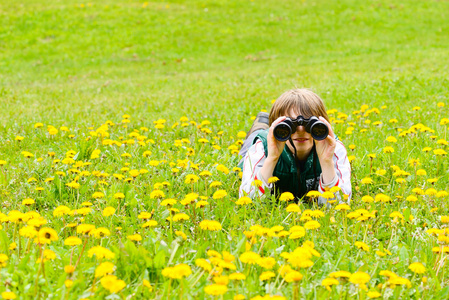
{"x":343,"y":176}
{"x":253,"y":162}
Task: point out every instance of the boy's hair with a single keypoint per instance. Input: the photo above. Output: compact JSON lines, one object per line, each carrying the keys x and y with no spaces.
{"x":302,"y":100}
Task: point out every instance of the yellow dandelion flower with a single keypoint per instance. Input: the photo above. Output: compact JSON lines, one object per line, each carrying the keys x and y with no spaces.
{"x":85,"y":228}
{"x":100,"y":232}
{"x":191,"y":178}
{"x":367,"y":180}
{"x":362,"y":245}
{"x":373,"y":294}
{"x":293,"y":208}
{"x":8,"y":295}
{"x":439,"y":152}
{"x":328,"y":195}
{"x":219,"y":194}
{"x":72,"y":241}
{"x":28,"y":201}
{"x":108,"y":211}
{"x":215,"y":289}
{"x":312,"y":225}
{"x":204,"y":264}
{"x":329,"y":282}
{"x":180,"y":217}
{"x":273,"y":179}
{"x":150,"y":223}
{"x":338,"y":274}
{"x":201,"y":204}
{"x":313,"y":194}
{"x":342,"y":206}
{"x":135,"y":237}
{"x":293,"y":276}
{"x":257,"y":183}
{"x":266,"y":275}
{"x":100,"y":253}
{"x":391,"y":139}
{"x":388,"y":149}
{"x":168,"y":202}
{"x":97,"y":195}
{"x":417,"y":268}
{"x":244,"y":200}
{"x":237,"y":276}
{"x":286,"y":196}
{"x":359,"y":278}
{"x":210,"y":225}
{"x":112,"y":284}
{"x":223,"y":169}
{"x":69,"y":269}
{"x":298,"y":233}
{"x":444,"y":219}
{"x":249,"y":257}
{"x":157,"y":194}
{"x":46,"y":236}
{"x":104,"y":269}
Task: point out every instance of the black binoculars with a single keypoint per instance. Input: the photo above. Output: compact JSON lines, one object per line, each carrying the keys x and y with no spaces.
{"x":313,"y":125}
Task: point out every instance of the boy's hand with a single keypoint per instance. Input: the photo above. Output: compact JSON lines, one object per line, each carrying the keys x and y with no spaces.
{"x":326,"y":148}
{"x":275,"y":147}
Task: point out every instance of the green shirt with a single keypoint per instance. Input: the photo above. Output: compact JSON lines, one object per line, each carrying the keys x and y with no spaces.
{"x":291,"y":179}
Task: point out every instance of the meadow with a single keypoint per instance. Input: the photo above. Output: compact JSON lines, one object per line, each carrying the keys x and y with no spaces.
{"x":121,"y":123}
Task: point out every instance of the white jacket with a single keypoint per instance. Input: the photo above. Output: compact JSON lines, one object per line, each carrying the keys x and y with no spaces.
{"x":255,"y":158}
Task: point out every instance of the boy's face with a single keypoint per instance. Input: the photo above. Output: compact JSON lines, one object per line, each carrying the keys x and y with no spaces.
{"x":302,"y":140}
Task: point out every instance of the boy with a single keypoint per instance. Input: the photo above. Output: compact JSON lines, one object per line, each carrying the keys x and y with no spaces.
{"x":315,"y":165}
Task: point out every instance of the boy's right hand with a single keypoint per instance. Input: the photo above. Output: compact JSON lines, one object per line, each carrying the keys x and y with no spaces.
{"x":275,"y":147}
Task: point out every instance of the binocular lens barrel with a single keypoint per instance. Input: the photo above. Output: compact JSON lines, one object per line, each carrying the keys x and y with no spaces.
{"x":319,"y":131}
{"x":314,"y":126}
{"x":282,"y":132}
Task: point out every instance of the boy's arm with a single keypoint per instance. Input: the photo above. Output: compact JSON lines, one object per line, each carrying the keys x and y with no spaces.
{"x":342,"y":177}
{"x":255,"y":159}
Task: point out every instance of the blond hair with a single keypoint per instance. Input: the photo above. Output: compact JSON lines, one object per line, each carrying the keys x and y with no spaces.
{"x":302,"y":101}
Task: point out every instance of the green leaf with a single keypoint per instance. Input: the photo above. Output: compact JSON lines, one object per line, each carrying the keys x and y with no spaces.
{"x":5,"y":241}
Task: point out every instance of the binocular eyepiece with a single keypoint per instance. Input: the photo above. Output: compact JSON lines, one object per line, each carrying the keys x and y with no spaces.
{"x":313,"y":125}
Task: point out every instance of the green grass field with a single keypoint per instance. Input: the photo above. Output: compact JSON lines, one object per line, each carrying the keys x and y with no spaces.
{"x":76,"y":66}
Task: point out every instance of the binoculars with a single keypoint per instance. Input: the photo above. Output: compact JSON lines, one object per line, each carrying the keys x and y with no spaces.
{"x":313,"y":125}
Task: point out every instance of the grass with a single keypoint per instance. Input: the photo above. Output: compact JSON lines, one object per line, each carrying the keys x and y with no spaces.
{"x":75,"y":64}
{"x":66,"y":61}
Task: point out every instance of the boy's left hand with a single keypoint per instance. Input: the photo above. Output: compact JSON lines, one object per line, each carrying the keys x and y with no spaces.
{"x":326,"y":148}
